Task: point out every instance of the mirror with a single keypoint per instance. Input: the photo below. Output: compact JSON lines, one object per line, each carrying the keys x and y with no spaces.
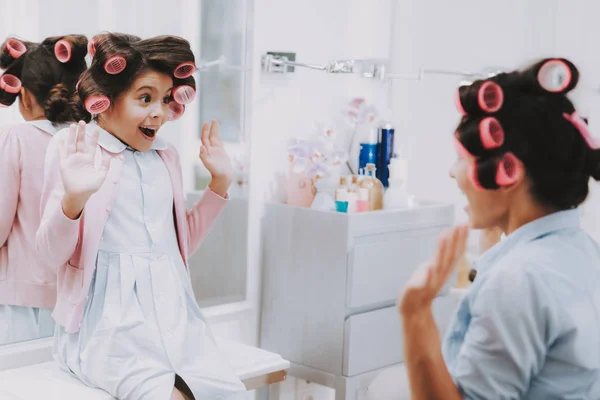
{"x":218,"y":268}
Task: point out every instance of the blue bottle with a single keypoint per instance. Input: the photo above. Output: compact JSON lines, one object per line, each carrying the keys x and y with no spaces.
{"x":385,"y":152}
{"x":368,"y":148}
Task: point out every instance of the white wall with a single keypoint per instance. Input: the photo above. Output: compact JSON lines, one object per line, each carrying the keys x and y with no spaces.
{"x":577,"y":31}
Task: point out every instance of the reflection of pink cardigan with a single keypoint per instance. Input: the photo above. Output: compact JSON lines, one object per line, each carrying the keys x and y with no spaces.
{"x":72,"y":245}
{"x":25,"y":280}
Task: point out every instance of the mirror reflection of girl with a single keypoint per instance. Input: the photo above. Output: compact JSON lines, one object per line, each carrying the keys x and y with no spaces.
{"x":43,"y":87}
{"x":529,"y":326}
{"x":114,"y":221}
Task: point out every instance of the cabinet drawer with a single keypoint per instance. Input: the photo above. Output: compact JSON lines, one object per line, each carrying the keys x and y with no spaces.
{"x":380,"y":265}
{"x":373,"y":340}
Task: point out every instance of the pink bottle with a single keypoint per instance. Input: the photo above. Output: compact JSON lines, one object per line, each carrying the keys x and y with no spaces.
{"x":362,"y":204}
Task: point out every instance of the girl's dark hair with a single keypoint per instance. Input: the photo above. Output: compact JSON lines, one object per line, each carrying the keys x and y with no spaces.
{"x":50,"y":81}
{"x":162,"y":54}
{"x":538,"y":129}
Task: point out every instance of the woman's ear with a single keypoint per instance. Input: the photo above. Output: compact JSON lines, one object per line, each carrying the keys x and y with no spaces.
{"x":24,"y":98}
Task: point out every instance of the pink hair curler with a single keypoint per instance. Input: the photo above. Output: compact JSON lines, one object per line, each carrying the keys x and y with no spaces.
{"x":491,"y":133}
{"x":461,"y":150}
{"x":62,"y":51}
{"x":175,"y":110}
{"x":582,"y":127}
{"x":490,"y":97}
{"x":97,"y":104}
{"x":184,"y":70}
{"x":77,"y":85}
{"x":473,"y":176}
{"x":15,"y":48}
{"x":554,"y":76}
{"x":91,"y":48}
{"x":115,"y":65}
{"x":184,"y":94}
{"x":509,"y":170}
{"x":458,"y":103}
{"x":10,"y":83}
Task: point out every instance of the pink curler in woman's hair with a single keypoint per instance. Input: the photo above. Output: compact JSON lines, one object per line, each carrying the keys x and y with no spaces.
{"x":175,"y":110}
{"x":582,"y":127}
{"x":554,"y":76}
{"x":115,"y":65}
{"x":461,"y":150}
{"x":77,"y":85}
{"x":184,"y":70}
{"x":10,"y":83}
{"x":458,"y":104}
{"x":15,"y":48}
{"x":486,"y":96}
{"x":91,"y":48}
{"x":509,"y":170}
{"x":491,"y":133}
{"x":97,"y":104}
{"x":473,"y":176}
{"x":490,"y":97}
{"x":184,"y":94}
{"x":62,"y":51}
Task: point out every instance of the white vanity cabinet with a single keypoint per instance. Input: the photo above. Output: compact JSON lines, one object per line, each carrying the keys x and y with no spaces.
{"x":330,"y":286}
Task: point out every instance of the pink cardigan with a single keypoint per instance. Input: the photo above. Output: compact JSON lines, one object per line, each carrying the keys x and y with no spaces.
{"x":25,"y":278}
{"x":72,"y":245}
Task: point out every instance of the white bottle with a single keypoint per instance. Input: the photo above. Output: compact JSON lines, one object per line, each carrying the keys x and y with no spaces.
{"x":396,"y":196}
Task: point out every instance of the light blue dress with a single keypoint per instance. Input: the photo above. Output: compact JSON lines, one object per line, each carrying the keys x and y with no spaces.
{"x":142,"y":325}
{"x":529,"y":327}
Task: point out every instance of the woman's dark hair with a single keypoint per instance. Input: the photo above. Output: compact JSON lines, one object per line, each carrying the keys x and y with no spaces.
{"x":537,"y":123}
{"x":163,"y":54}
{"x":49,"y":70}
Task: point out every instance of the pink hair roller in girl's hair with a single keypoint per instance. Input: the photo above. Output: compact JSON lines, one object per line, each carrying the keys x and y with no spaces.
{"x":91,"y":48}
{"x":491,"y":133}
{"x":184,"y":70}
{"x":582,"y":127}
{"x":175,"y":110}
{"x":554,"y":76}
{"x":62,"y":51}
{"x":10,"y":83}
{"x":77,"y":85}
{"x":97,"y":104}
{"x":15,"y":48}
{"x":184,"y":94}
{"x":115,"y":65}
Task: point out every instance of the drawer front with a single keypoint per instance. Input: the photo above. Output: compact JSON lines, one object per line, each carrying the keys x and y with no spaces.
{"x":380,"y":265}
{"x":373,"y":340}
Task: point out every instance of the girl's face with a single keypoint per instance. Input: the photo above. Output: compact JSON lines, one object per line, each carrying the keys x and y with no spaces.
{"x":138,"y":114}
{"x":486,"y":208}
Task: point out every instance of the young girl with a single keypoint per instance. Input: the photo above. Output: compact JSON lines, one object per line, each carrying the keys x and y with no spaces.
{"x":529,"y":326}
{"x":42,"y":77}
{"x":114,"y":222}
